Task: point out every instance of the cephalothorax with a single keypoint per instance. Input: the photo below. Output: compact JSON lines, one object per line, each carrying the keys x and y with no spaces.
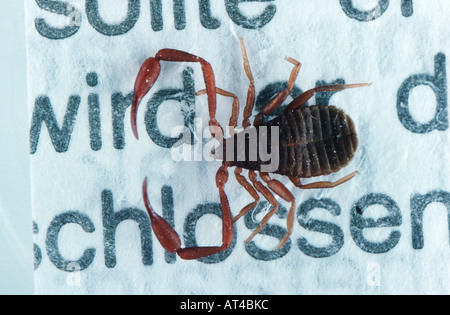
{"x":312,"y":141}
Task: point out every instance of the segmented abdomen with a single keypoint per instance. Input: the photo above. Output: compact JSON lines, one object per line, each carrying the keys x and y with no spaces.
{"x":314,"y":140}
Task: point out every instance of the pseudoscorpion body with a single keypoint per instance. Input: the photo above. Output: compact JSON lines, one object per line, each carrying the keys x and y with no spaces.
{"x":312,"y":141}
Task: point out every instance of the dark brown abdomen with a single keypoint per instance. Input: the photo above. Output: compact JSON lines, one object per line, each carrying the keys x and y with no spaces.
{"x":314,"y":140}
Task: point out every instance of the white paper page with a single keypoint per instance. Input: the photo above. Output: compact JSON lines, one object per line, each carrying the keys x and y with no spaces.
{"x":385,"y":231}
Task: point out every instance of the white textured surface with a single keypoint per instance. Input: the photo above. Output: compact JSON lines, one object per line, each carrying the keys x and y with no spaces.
{"x":392,"y":160}
{"x":16,"y":265}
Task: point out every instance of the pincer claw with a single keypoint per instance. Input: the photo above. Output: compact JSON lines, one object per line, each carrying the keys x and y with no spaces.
{"x":147,"y":76}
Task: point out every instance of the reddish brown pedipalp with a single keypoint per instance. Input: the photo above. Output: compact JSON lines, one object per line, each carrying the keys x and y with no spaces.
{"x":147,"y":76}
{"x":149,"y":73}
